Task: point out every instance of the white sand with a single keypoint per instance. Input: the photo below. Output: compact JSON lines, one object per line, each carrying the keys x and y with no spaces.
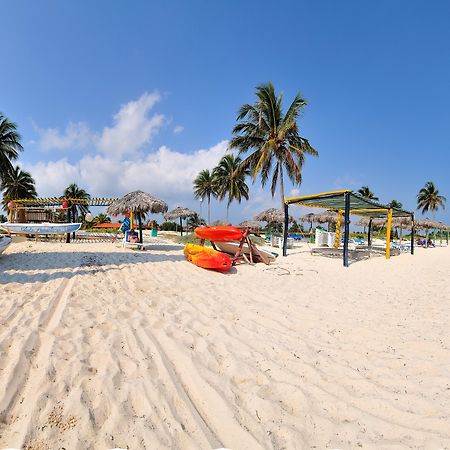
{"x":104,"y":347}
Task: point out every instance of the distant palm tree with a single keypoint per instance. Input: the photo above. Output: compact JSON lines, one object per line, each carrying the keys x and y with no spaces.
{"x":17,"y":184}
{"x":367,"y":193}
{"x":195,"y":221}
{"x":73,"y":191}
{"x":428,"y":198}
{"x":205,"y":186}
{"x":395,"y":204}
{"x":272,"y":137}
{"x":230,"y":180}
{"x":101,"y":218}
{"x":10,"y":145}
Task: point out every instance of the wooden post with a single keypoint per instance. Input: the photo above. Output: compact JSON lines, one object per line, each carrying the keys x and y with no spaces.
{"x":369,"y":233}
{"x":412,"y":234}
{"x":285,"y":230}
{"x":140,"y":227}
{"x":388,"y":234}
{"x":337,"y":238}
{"x":346,"y":228}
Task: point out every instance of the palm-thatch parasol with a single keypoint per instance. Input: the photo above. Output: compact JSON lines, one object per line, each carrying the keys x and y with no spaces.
{"x":179,"y":213}
{"x":252,"y":224}
{"x":272,"y":215}
{"x":326,"y":217}
{"x":138,"y":203}
{"x":310,"y":218}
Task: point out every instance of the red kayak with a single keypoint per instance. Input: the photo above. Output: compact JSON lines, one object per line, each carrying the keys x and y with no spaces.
{"x":207,"y":258}
{"x":219,"y":234}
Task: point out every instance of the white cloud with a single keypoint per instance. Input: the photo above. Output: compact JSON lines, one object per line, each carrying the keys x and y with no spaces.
{"x":76,"y":135}
{"x":178,"y":129}
{"x":165,"y":173}
{"x":132,"y":127}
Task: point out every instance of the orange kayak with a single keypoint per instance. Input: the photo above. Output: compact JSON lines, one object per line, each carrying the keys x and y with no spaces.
{"x":219,"y":234}
{"x":207,"y":258}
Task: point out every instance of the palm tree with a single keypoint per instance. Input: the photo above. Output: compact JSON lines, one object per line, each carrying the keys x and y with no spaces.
{"x":429,"y":199}
{"x":9,"y":145}
{"x":230,"y":179}
{"x":17,"y":184}
{"x":101,"y":218}
{"x":273,"y":138}
{"x":395,"y":204}
{"x":73,"y":191}
{"x":205,"y":186}
{"x":367,"y":193}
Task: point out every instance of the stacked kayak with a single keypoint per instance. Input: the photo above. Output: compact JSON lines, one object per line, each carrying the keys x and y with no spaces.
{"x":219,"y":233}
{"x":207,"y":258}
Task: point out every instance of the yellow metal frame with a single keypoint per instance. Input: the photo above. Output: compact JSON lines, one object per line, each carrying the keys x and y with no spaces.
{"x":388,"y":234}
{"x":292,"y":199}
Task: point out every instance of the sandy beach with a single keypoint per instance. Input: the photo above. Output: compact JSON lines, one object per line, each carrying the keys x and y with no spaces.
{"x":104,"y":347}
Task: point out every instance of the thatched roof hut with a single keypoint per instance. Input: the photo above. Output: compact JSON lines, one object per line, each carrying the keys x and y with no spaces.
{"x":139,"y":203}
{"x":427,"y":224}
{"x":252,"y":224}
{"x":272,"y":215}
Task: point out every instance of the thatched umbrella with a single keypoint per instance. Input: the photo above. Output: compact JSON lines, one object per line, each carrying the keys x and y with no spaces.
{"x":179,"y":213}
{"x":138,"y":203}
{"x":310,"y":218}
{"x":272,"y":215}
{"x":252,"y":224}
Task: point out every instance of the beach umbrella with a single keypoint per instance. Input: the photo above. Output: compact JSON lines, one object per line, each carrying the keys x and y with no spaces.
{"x":272,"y":215}
{"x":252,"y":224}
{"x":310,"y":218}
{"x":139,"y":203}
{"x":326,"y":217}
{"x":179,"y":213}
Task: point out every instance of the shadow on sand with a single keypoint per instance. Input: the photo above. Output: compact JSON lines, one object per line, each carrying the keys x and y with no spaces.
{"x":30,"y":267}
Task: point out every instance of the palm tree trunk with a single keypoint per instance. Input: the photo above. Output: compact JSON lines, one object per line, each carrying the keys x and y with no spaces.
{"x":228,"y":207}
{"x":209,"y":209}
{"x":281,"y":187}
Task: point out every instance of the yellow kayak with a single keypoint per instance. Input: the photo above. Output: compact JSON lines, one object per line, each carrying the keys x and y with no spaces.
{"x":207,"y":258}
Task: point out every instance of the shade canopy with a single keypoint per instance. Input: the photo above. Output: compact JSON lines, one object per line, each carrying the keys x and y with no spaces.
{"x":427,"y":224}
{"x":137,"y":202}
{"x":179,"y":212}
{"x":252,"y":224}
{"x":272,"y":215}
{"x":335,"y":201}
{"x":310,"y":218}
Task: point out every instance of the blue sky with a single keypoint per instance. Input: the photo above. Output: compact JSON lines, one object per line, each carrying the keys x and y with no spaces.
{"x":123,"y":95}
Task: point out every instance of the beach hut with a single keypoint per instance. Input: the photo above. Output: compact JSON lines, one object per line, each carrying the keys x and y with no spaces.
{"x":138,"y":203}
{"x":179,"y":213}
{"x":309,"y":218}
{"x":272,"y":216}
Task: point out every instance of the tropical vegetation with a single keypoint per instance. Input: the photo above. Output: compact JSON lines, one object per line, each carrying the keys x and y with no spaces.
{"x":17,"y":184}
{"x":205,"y":187}
{"x":229,"y":179}
{"x":10,"y":145}
{"x":428,"y":199}
{"x":395,"y":204}
{"x":272,"y":138}
{"x":367,"y":193}
{"x":73,"y":191}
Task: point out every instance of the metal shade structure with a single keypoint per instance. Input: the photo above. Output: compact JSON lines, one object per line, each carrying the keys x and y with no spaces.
{"x":346,"y":202}
{"x":179,"y":213}
{"x":138,"y":203}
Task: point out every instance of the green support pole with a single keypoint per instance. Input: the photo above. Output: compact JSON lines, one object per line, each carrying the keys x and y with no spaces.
{"x":346,"y":228}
